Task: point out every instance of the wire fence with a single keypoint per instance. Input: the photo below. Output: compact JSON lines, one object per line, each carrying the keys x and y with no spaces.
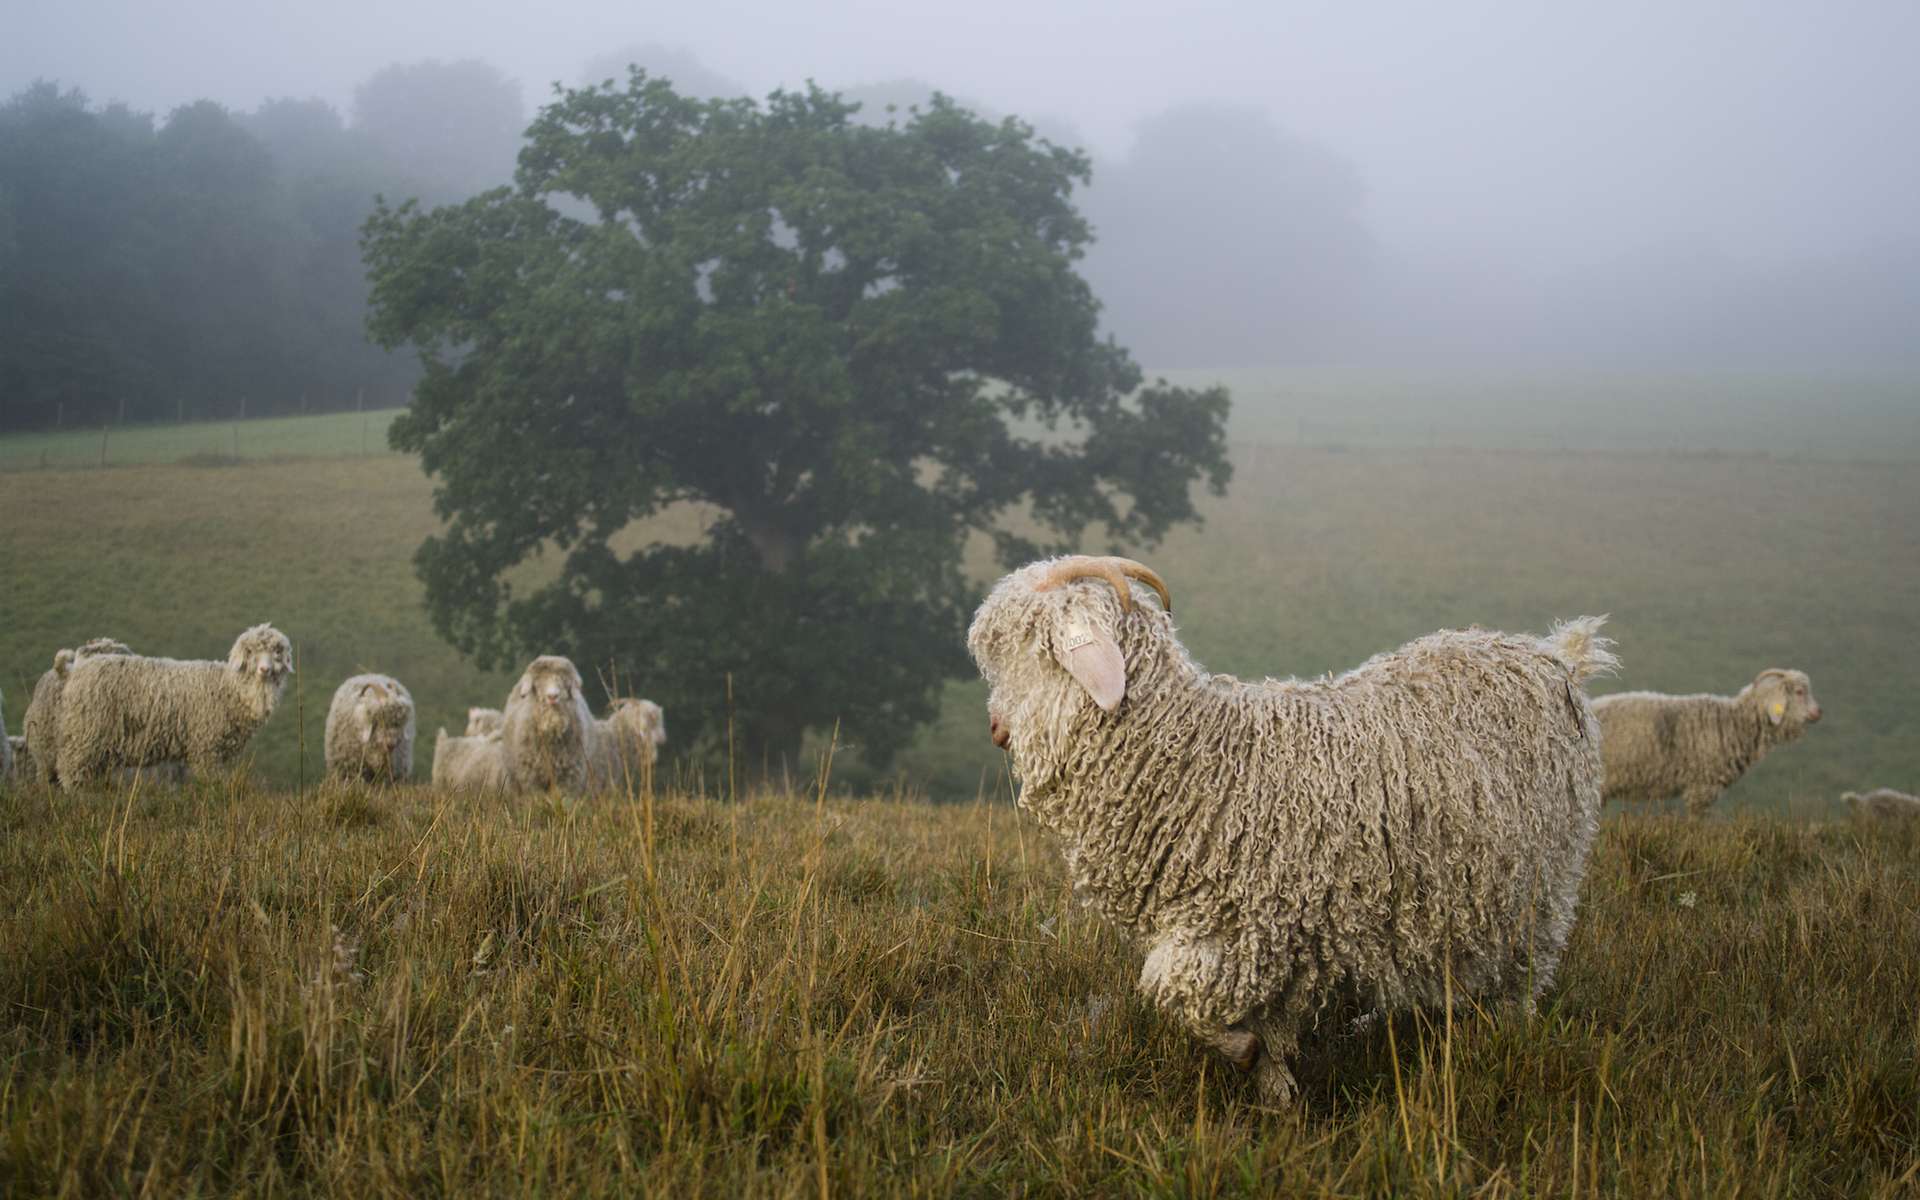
{"x":201,"y":443}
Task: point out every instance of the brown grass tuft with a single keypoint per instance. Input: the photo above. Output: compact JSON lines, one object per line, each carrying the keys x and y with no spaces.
{"x":407,"y":992}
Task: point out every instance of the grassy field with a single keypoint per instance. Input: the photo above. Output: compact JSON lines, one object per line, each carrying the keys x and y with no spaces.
{"x":1865,"y":417}
{"x":259,"y":985}
{"x":1871,"y":417}
{"x":220,"y":990}
{"x":1713,"y":566}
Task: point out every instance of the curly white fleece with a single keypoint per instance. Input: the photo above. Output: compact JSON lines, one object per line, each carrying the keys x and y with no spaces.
{"x":1279,"y":847}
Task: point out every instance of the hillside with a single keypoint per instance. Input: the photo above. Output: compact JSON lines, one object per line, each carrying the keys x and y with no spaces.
{"x":1712,"y":565}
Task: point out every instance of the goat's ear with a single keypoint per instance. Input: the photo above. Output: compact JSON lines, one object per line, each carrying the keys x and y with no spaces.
{"x":1772,"y":684}
{"x":1096,"y":664}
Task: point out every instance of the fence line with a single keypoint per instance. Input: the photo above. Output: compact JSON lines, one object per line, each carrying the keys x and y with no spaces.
{"x":353,"y":433}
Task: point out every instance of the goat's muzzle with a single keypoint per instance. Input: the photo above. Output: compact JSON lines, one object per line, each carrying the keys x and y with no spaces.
{"x":998,"y":731}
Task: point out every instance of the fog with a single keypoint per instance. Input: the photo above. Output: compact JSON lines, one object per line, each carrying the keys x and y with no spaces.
{"x":1710,"y":184}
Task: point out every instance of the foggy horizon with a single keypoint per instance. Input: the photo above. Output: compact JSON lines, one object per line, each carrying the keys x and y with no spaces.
{"x":1508,"y":165}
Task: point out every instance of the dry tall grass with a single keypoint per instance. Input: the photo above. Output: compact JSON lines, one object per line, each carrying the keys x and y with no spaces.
{"x":412,"y":993}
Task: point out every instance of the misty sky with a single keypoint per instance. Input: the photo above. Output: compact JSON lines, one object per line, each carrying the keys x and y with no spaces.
{"x":1543,"y":136}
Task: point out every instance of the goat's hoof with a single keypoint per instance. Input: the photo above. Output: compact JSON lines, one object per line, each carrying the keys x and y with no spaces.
{"x":1276,"y":1083}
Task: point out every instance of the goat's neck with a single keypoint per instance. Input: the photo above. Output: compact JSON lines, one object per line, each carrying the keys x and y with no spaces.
{"x":1115,"y":770}
{"x":1750,"y":733}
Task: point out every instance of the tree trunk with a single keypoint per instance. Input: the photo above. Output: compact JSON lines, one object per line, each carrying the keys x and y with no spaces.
{"x":776,"y":547}
{"x":767,"y":750}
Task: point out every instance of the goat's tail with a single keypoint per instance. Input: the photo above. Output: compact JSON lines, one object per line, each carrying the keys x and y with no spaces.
{"x":1578,"y":644}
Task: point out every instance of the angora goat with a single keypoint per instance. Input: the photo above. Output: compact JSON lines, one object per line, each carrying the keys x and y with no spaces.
{"x":1285,"y":850}
{"x":1884,"y":804}
{"x":622,"y":748}
{"x":126,"y":710}
{"x":477,"y":762}
{"x":1659,"y":746}
{"x":546,"y":727}
{"x":41,"y":725}
{"x":370,"y":730}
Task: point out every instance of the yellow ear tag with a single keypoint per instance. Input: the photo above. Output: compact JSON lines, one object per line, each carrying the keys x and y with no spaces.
{"x":1779,"y":708}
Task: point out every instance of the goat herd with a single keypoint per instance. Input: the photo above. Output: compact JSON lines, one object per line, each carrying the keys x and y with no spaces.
{"x":1285,"y":852}
{"x":103,"y":708}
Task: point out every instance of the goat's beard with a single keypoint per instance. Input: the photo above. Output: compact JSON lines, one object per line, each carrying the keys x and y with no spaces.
{"x":552,"y":722}
{"x":266,"y":689}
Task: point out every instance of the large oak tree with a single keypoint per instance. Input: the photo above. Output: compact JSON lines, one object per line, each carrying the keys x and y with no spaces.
{"x":852,"y":347}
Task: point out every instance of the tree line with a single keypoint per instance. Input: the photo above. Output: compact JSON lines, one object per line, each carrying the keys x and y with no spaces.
{"x":206,"y":264}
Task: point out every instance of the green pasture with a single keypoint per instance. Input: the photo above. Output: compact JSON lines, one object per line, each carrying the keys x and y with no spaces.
{"x":1713,"y":562}
{"x":1866,"y":416}
{"x":837,"y":988}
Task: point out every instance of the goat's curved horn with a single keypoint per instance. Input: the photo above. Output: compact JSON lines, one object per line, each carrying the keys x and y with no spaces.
{"x":1116,"y":571}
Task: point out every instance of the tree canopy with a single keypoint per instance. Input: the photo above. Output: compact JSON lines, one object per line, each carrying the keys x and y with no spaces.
{"x":850,"y":349}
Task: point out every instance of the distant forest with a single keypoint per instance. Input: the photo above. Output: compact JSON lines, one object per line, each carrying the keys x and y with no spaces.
{"x":206,"y":264}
